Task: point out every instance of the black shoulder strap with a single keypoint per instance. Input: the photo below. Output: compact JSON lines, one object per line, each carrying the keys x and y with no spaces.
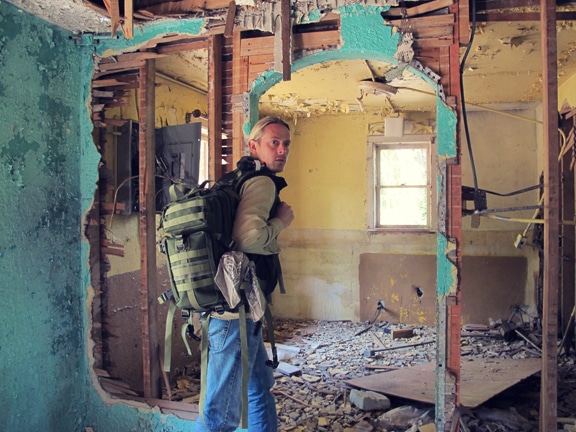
{"x":247,"y":168}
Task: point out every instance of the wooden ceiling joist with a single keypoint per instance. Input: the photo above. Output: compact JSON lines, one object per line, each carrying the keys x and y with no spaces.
{"x":107,"y":83}
{"x":300,"y":41}
{"x":424,"y":8}
{"x":423,"y":21}
{"x":123,"y":65}
{"x":129,"y":19}
{"x":426,"y":44}
{"x":179,"y":7}
{"x":185,"y":45}
{"x":113,"y":9}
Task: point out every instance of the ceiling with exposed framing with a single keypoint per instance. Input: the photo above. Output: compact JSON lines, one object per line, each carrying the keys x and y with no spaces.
{"x":503,"y":64}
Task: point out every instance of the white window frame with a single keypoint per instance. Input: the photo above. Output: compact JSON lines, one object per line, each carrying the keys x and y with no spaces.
{"x":377,"y":142}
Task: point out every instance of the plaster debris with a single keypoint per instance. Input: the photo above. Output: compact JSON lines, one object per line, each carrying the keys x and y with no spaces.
{"x":324,"y":354}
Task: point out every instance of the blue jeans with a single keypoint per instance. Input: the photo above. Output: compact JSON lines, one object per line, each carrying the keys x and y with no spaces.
{"x":223,"y":404}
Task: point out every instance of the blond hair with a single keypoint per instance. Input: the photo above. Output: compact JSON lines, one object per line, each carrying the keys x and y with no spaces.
{"x":258,"y":129}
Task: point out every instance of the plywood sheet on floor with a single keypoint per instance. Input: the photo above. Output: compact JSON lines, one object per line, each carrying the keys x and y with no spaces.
{"x":481,"y":379}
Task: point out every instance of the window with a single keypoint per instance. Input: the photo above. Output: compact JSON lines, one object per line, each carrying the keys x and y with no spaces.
{"x":401,"y":182}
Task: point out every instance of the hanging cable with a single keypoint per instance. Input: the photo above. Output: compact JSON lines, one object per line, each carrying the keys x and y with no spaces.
{"x":463,"y":103}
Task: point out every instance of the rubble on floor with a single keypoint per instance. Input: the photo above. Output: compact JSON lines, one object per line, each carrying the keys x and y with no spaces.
{"x":318,"y":357}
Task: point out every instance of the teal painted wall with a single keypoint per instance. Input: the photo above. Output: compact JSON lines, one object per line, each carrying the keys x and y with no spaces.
{"x":42,"y":355}
{"x":47,"y":180}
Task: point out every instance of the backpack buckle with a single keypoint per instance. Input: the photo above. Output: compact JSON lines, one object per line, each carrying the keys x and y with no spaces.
{"x":179,"y":245}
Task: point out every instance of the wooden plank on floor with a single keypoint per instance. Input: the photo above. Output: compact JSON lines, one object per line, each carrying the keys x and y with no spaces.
{"x":481,"y":379}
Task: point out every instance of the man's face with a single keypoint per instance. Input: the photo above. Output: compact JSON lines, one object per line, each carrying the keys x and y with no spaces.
{"x":273,"y":147}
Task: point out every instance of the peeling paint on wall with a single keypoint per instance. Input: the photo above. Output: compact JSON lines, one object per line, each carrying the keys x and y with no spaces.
{"x":42,"y":344}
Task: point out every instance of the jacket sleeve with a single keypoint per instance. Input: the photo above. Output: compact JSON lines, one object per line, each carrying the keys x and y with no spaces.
{"x":254,"y":232}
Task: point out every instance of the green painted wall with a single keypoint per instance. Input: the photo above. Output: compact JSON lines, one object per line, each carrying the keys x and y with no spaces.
{"x":42,"y":359}
{"x":47,"y":180}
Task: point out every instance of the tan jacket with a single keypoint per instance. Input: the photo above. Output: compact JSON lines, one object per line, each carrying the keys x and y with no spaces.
{"x":253,"y":231}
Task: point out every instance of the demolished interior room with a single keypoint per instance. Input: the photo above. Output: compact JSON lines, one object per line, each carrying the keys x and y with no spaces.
{"x":430,"y":267}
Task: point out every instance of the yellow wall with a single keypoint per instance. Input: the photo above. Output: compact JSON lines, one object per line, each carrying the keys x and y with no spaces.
{"x":328,"y":187}
{"x":326,"y":173}
{"x":507,"y":149}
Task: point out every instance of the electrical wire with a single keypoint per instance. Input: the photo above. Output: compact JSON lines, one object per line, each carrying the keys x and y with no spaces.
{"x":463,"y":103}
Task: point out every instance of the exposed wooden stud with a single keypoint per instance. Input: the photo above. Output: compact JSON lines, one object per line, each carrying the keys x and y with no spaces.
{"x":239,"y":86}
{"x":124,"y":65}
{"x":464,"y":21}
{"x":285,"y":40}
{"x":128,"y":19}
{"x":300,"y":41}
{"x":230,"y":16}
{"x":147,"y":232}
{"x":178,"y":7}
{"x":188,"y":45}
{"x":420,"y":9}
{"x":549,"y":384}
{"x":215,"y":107}
{"x":424,"y":21}
{"x":113,"y":9}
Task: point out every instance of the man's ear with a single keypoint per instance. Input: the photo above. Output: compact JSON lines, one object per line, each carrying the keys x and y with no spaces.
{"x":252,"y":146}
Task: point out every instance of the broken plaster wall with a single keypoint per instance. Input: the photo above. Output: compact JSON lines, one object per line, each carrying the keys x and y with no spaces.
{"x":322,"y":250}
{"x":48,"y":178}
{"x":42,"y":343}
{"x":122,"y":290}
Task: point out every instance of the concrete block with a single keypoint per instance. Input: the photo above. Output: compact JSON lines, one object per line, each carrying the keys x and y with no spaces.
{"x":369,"y":401}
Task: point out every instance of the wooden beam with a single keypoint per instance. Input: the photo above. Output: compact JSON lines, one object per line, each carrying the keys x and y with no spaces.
{"x":183,"y":45}
{"x":113,"y":9}
{"x":147,"y":229}
{"x":423,"y":21}
{"x":239,"y":87}
{"x":230,"y":16}
{"x":300,"y":41}
{"x":286,"y":36}
{"x":184,"y":6}
{"x":429,"y":43}
{"x":549,"y":384}
{"x":464,"y":22}
{"x":128,"y":19}
{"x":420,"y":9}
{"x":120,"y":66}
{"x":215,"y":107}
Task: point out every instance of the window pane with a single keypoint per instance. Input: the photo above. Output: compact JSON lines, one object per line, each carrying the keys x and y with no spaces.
{"x":403,"y":206}
{"x":403,"y":167}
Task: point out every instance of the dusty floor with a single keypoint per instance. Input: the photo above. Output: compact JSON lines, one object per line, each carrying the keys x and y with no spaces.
{"x":328,"y":353}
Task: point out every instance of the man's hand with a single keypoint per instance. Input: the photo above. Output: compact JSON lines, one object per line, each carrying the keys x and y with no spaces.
{"x":285,"y":214}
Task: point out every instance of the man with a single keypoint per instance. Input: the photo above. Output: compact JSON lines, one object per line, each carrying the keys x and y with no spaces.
{"x":259,"y":220}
